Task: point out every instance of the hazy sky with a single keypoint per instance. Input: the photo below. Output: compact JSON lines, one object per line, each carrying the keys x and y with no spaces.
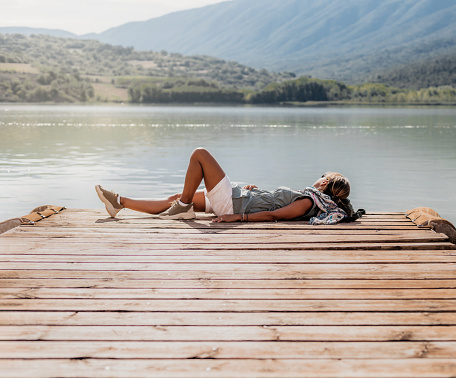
{"x":86,"y":16}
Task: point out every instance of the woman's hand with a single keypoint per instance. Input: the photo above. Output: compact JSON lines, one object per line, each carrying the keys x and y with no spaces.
{"x":227,"y":218}
{"x":250,"y":187}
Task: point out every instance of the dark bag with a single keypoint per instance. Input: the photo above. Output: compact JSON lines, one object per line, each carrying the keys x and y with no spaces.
{"x":358,"y":214}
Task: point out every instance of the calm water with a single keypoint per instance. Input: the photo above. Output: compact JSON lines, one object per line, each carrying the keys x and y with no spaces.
{"x":395,"y":158}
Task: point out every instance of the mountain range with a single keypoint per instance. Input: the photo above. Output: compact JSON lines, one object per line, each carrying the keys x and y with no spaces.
{"x":337,"y":39}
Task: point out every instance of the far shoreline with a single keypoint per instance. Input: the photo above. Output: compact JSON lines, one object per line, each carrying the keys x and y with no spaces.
{"x":291,"y":104}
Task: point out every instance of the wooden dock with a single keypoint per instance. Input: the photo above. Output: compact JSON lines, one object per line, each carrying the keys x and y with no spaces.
{"x":83,"y":295}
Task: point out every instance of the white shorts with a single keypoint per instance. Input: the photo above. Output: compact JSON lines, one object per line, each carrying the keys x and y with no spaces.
{"x":219,"y":200}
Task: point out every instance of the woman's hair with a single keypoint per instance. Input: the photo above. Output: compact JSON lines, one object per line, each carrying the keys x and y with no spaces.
{"x":338,"y":189}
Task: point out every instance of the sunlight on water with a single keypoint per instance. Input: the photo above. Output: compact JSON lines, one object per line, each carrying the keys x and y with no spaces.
{"x":396,"y":158}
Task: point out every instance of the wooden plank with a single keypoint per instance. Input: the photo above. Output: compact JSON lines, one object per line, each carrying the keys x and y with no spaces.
{"x":99,"y":217}
{"x":110,"y":318}
{"x":229,"y":333}
{"x":249,"y":293}
{"x":265,"y":271}
{"x":237,"y":228}
{"x":175,"y":232}
{"x":214,"y":305}
{"x":83,"y":214}
{"x":234,"y":256}
{"x":226,"y":350}
{"x":147,"y":238}
{"x":219,"y":234}
{"x":285,"y":368}
{"x":229,"y":271}
{"x":145,"y":283}
{"x":62,"y":243}
{"x":206,"y":224}
{"x":255,"y":227}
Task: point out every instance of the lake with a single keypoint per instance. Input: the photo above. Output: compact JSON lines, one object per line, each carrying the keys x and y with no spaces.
{"x":396,"y":158}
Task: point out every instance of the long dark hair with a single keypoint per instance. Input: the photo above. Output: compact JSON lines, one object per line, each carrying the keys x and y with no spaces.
{"x":338,"y":189}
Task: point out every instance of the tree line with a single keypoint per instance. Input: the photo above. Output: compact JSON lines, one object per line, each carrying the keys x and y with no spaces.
{"x":182,"y":91}
{"x":300,"y":90}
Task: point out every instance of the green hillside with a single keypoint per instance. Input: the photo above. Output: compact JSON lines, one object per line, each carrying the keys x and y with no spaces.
{"x":42,"y":68}
{"x":357,"y":68}
{"x":423,"y":74}
{"x":46,"y":68}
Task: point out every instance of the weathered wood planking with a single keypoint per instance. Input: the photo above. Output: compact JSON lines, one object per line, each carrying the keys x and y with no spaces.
{"x":229,"y":349}
{"x":266,"y":294}
{"x":79,"y":318}
{"x":83,"y":295}
{"x":230,"y":333}
{"x":286,"y":283}
{"x":233,"y":256}
{"x":213,"y":367}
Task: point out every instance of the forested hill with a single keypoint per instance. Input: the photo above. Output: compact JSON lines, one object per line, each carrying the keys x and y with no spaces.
{"x":43,"y":68}
{"x":430,"y":72}
{"x":90,"y":57}
{"x":337,"y":39}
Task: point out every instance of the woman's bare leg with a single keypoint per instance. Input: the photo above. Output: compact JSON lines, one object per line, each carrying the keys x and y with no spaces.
{"x":156,"y":206}
{"x":202,"y":165}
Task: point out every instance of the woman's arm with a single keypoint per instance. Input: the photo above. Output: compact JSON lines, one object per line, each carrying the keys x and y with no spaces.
{"x":294,"y":210}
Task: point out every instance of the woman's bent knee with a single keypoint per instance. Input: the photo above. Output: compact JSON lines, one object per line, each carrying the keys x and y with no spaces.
{"x":200,"y":152}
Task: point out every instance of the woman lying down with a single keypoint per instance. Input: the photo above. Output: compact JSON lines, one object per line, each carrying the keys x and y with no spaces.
{"x":325,"y":202}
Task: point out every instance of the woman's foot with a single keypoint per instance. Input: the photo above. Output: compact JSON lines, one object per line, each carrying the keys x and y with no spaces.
{"x":110,"y":199}
{"x":178,"y":211}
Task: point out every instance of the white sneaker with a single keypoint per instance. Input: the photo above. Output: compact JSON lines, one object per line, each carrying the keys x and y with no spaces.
{"x":110,"y":199}
{"x":177,"y":211}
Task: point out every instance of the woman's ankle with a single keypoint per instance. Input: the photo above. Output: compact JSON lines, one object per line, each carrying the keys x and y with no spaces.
{"x":185,"y":200}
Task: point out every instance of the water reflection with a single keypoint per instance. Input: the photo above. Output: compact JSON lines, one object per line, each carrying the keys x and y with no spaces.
{"x":396,"y":158}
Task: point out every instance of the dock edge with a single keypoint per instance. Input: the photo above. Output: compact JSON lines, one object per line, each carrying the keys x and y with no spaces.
{"x":35,"y":215}
{"x":427,"y":217}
